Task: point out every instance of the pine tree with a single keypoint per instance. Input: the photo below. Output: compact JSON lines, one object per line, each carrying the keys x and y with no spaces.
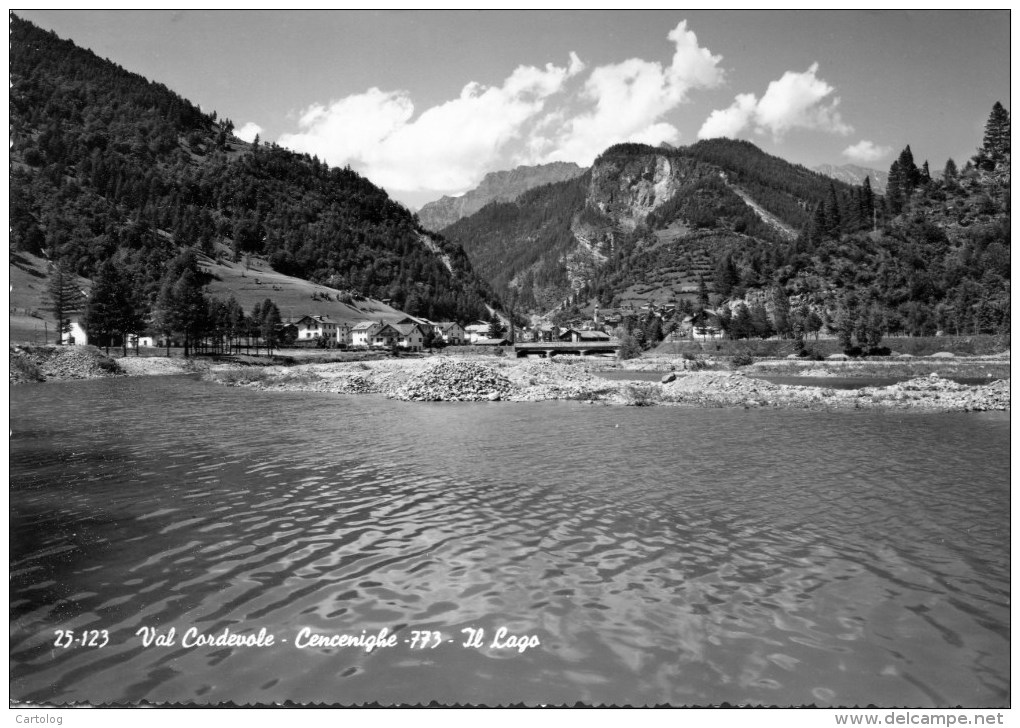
{"x":996,"y":146}
{"x":852,"y":216}
{"x":181,"y":307}
{"x":833,"y":216}
{"x":760,"y":324}
{"x":496,"y":328}
{"x":652,"y":330}
{"x":816,"y":229}
{"x":894,"y":189}
{"x":255,"y":326}
{"x":925,"y":173}
{"x":726,"y":276}
{"x":164,"y":316}
{"x":846,"y":321}
{"x":871,"y":325}
{"x":105,"y":306}
{"x":63,"y":297}
{"x":192,"y":309}
{"x":270,"y":324}
{"x":741,"y":326}
{"x":950,"y":172}
{"x":911,"y":175}
{"x":781,"y":311}
{"x":867,"y":203}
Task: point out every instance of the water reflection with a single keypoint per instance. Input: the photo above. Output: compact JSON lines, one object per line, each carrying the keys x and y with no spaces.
{"x":660,"y":555}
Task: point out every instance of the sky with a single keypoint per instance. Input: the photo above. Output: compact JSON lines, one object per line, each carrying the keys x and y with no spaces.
{"x":425,"y":103}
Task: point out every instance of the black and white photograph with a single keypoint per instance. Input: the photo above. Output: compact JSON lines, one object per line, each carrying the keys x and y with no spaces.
{"x":510,"y":358}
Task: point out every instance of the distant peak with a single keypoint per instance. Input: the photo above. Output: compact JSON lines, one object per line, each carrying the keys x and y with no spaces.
{"x":497,"y":186}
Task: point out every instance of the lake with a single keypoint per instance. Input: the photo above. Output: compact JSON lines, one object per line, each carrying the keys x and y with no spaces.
{"x":657,"y":555}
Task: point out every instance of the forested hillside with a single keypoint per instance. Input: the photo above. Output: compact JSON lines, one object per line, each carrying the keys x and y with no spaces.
{"x":108,"y":167}
{"x":679,"y":227}
{"x":528,"y":238}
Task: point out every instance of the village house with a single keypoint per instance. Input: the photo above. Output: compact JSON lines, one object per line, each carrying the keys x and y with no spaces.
{"x":583,"y":335}
{"x":545,"y":332}
{"x":411,"y":337}
{"x":363,"y":333}
{"x":386,"y":337}
{"x":310,"y":328}
{"x":477,"y":331}
{"x":136,"y":341}
{"x":703,"y":325}
{"x":449,"y":331}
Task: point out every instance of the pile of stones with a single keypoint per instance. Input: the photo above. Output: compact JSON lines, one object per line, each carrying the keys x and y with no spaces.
{"x":456,"y":381}
{"x":61,"y":362}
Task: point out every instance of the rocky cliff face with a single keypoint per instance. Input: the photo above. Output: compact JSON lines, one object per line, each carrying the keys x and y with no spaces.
{"x":627,"y":188}
{"x":504,"y":186}
{"x":624,"y":189}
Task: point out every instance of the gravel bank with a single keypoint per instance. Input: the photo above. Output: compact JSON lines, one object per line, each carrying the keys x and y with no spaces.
{"x":901,"y":366}
{"x":519,"y":380}
{"x":160,"y":365}
{"x":731,"y":389}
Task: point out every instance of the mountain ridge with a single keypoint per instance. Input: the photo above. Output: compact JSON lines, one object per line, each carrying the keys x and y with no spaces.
{"x":854,"y":174}
{"x":723,"y":221}
{"x":630,"y":189}
{"x":499,"y":186}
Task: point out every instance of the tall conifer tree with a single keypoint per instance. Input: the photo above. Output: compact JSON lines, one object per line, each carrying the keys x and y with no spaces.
{"x":996,"y":141}
{"x":63,"y":297}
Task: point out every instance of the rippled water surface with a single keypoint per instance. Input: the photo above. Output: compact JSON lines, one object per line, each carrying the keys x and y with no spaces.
{"x":659,"y":555}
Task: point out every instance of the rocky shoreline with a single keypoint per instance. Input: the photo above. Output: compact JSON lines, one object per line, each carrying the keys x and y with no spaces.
{"x":44,"y":363}
{"x":478,"y":379}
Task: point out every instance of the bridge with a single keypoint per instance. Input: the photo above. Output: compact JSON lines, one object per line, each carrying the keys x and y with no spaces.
{"x":549,"y":349}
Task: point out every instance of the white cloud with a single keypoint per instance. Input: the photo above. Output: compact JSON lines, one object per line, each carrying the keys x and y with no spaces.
{"x":866,"y":151}
{"x":248,"y":132}
{"x":631,"y":97}
{"x":535,"y":115}
{"x":731,"y":121}
{"x":447,"y":147}
{"x":795,"y":101}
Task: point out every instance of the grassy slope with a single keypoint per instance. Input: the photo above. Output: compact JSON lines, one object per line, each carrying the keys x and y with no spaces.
{"x":254,"y":281}
{"x":292,"y":295}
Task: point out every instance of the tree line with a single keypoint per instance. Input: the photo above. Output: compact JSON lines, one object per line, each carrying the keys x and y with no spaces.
{"x":183,"y":314}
